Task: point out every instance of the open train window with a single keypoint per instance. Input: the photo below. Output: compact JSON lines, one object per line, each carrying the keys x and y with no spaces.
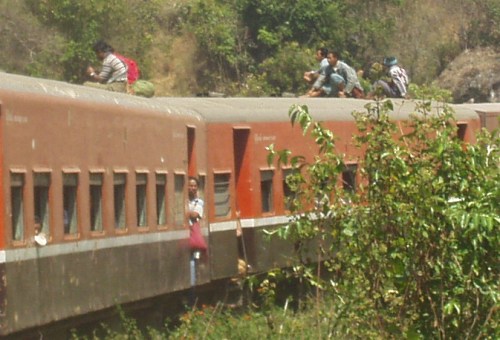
{"x":201,"y":186}
{"x":287,"y":192}
{"x":141,"y":186}
{"x":119,"y":191}
{"x":17,"y":205}
{"x":266,"y":190}
{"x":161,"y":199}
{"x":461,"y":130}
{"x":222,"y":194}
{"x":95,"y":183}
{"x":349,"y":178}
{"x":179,"y":202}
{"x":70,"y":214}
{"x":41,"y":182}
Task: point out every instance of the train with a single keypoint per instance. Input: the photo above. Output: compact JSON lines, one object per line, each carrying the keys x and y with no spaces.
{"x":102,"y":176}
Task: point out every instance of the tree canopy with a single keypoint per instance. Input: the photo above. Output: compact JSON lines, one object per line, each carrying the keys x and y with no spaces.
{"x":241,"y":47}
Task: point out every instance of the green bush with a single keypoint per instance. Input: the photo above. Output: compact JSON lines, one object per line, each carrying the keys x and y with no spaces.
{"x":414,"y":252}
{"x":282,"y":72}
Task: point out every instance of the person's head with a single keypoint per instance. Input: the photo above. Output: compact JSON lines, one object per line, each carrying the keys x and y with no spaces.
{"x":390,"y":61}
{"x":193,"y":184}
{"x":101,"y":49}
{"x":321,"y":53}
{"x":333,"y":57}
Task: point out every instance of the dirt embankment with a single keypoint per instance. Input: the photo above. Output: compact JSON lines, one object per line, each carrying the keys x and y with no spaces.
{"x":474,"y":76}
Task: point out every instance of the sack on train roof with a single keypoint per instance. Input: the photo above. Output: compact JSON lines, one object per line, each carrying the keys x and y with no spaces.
{"x":143,"y":88}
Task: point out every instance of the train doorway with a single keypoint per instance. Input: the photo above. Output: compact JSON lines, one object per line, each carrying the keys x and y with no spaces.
{"x":191,"y":151}
{"x":242,"y":161}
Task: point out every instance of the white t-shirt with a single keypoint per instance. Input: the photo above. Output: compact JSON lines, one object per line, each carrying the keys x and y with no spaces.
{"x":196,"y":205}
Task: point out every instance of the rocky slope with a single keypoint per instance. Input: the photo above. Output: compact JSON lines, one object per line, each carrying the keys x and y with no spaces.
{"x":474,"y":76}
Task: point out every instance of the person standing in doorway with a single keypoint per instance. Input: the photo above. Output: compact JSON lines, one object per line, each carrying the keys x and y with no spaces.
{"x":194,"y":215}
{"x":195,"y":204}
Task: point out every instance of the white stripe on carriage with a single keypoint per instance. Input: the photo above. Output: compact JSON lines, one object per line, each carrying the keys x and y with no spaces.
{"x":30,"y":253}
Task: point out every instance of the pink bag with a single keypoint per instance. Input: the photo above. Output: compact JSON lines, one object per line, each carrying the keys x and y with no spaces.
{"x":196,"y":240}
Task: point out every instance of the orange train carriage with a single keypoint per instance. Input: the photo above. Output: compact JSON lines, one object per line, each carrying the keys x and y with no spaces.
{"x":104,"y":175}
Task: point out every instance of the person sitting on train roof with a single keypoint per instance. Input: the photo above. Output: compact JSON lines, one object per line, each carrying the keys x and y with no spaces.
{"x":338,"y":79}
{"x":396,"y":84}
{"x":113,"y":75}
{"x":311,"y":76}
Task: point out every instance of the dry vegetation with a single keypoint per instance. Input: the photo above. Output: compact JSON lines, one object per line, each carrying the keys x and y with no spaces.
{"x":178,"y":66}
{"x":22,"y":37}
{"x":429,"y":35}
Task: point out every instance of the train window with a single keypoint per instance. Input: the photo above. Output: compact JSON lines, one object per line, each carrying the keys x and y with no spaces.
{"x":201,"y":186}
{"x":95,"y":182}
{"x":70,"y":188}
{"x":461,"y":130}
{"x":141,"y":185}
{"x":349,"y":178}
{"x":161,"y":202}
{"x":17,"y":205}
{"x":119,"y":190}
{"x":287,"y":192}
{"x":266,"y":190}
{"x":179,"y":203}
{"x":222,"y":195}
{"x":41,"y":181}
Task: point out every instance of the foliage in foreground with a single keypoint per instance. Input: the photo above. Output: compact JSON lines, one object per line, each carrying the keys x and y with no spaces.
{"x":414,"y":251}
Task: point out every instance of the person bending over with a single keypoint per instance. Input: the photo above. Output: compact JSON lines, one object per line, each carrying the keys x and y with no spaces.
{"x":113,"y":74}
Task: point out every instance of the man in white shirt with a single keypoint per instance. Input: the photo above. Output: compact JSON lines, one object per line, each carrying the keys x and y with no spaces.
{"x":195,"y":204}
{"x":311,"y":76}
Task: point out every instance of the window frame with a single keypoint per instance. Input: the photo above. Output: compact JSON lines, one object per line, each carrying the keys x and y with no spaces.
{"x":287,"y":193}
{"x":96,"y":182}
{"x":141,"y":189}
{"x":120,"y":222}
{"x":179,"y":203}
{"x":75,"y":229}
{"x":227,"y":206}
{"x":46,"y":221}
{"x":21,"y":214}
{"x":162,"y":214}
{"x":347,"y":185}
{"x":270,"y":199}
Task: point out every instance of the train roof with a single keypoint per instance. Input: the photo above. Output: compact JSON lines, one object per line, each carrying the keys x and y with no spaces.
{"x":40,"y":86}
{"x":484,"y":107}
{"x":271,"y":109}
{"x":215,"y":110}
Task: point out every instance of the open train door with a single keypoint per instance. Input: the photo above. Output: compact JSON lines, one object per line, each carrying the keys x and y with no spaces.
{"x":242,"y":161}
{"x":243,"y":191}
{"x":3,"y":222}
